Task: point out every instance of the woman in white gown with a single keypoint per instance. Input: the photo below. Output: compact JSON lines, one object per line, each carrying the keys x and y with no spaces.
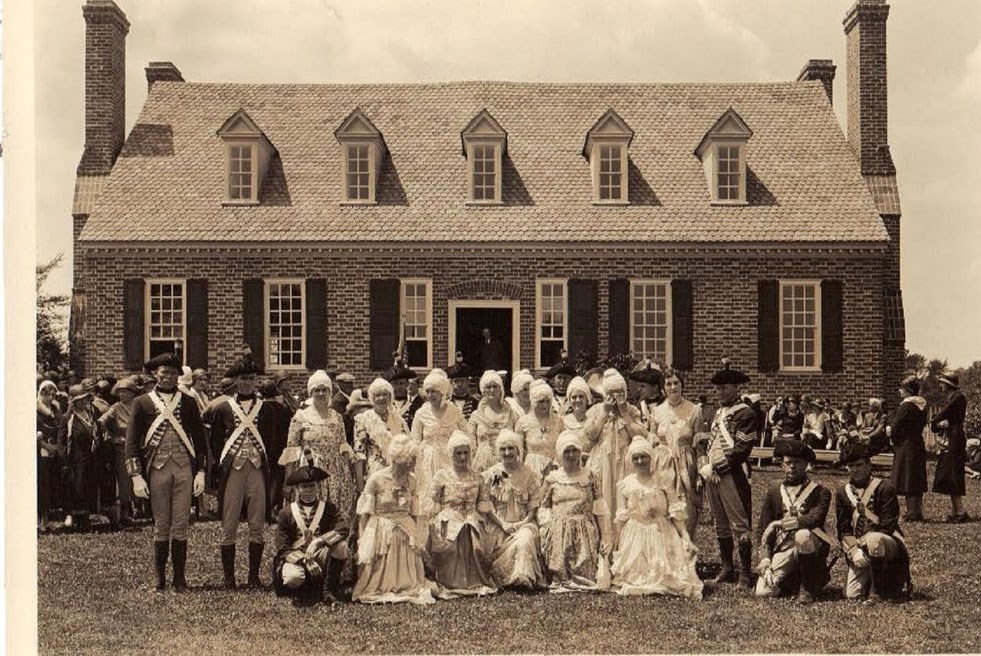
{"x":493,"y":414}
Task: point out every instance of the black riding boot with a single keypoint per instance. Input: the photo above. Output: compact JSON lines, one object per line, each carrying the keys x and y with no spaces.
{"x":255,"y":560}
{"x":727,"y":574}
{"x":746,"y":564}
{"x":332,"y":581}
{"x":179,"y":549}
{"x":228,"y":565}
{"x":812,"y":574}
{"x":160,"y":553}
{"x":877,"y":590}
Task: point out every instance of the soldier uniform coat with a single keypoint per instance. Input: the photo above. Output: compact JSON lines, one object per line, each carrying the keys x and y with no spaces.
{"x":142,"y":415}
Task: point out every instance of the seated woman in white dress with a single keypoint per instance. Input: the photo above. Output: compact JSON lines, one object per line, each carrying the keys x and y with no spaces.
{"x":654,"y":554}
{"x":390,"y":567}
{"x":493,"y":414}
{"x":457,"y":503}
{"x":512,"y":538}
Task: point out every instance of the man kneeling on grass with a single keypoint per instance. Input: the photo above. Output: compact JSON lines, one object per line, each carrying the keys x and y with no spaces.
{"x":794,"y":541}
{"x":311,"y":541}
{"x":867,"y":511}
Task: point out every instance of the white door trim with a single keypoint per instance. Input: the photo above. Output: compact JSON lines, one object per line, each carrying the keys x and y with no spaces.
{"x":514,"y":306}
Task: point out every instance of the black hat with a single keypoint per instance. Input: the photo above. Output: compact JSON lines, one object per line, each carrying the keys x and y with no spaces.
{"x":244,"y":367}
{"x":794,"y":449}
{"x":563,"y":367}
{"x":911,"y":384}
{"x":307,"y":473}
{"x":853,"y":453}
{"x":399,"y":371}
{"x":647,"y":372}
{"x":163,"y":360}
{"x":949,"y":379}
{"x":461,"y":369}
{"x":727,"y":376}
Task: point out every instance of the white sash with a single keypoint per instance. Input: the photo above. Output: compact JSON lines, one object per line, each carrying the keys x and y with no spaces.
{"x":862,"y":503}
{"x":720,"y":421}
{"x":796,"y":507}
{"x":166,"y":413}
{"x":246,"y":422}
{"x":306,"y":533}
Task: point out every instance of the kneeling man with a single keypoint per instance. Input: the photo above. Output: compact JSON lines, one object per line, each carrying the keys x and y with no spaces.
{"x":311,"y":541}
{"x":867,"y":511}
{"x":794,"y":541}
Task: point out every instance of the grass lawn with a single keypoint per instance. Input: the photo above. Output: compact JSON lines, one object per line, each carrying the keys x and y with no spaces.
{"x":94,"y":596}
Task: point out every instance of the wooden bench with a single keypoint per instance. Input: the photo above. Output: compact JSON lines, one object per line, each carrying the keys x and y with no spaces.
{"x":823,"y":455}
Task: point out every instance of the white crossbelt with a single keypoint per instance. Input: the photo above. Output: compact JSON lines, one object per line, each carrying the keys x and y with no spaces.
{"x":796,"y":507}
{"x":166,"y":413}
{"x":306,"y":533}
{"x":246,"y":422}
{"x":720,"y":422}
{"x":863,"y":503}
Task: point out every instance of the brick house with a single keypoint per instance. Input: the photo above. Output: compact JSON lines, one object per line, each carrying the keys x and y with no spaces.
{"x":321,"y":223}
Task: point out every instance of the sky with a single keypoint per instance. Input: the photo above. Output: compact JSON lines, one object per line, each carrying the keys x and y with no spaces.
{"x":934,"y":67}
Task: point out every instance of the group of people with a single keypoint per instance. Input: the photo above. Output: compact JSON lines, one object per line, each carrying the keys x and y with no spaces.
{"x":419,"y":492}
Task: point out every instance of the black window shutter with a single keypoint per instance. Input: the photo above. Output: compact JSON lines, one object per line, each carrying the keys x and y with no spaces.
{"x":682,"y":317}
{"x":316,"y":323}
{"x":619,"y":316}
{"x":134,"y":330}
{"x":768,"y":325}
{"x":383,"y":322}
{"x":583,"y":317}
{"x":253,"y":315}
{"x":197,"y":324}
{"x":831,"y":326}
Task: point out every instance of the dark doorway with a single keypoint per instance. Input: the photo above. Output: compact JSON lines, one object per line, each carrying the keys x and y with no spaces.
{"x":470,"y":323}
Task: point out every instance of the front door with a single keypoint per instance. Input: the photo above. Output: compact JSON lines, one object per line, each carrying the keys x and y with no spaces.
{"x":478,"y":350}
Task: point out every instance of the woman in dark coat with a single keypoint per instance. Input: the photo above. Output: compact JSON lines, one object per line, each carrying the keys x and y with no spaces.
{"x":948,"y":424}
{"x":909,"y":462}
{"x":78,"y":438}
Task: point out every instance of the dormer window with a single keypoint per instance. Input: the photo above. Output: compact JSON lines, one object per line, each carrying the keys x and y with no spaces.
{"x":247,"y":155}
{"x":607,"y":143}
{"x":723,"y":155}
{"x":484,"y":145}
{"x":363,"y":151}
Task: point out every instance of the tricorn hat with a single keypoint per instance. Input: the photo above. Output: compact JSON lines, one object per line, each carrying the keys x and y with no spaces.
{"x":648,"y":372}
{"x":306,"y":472}
{"x":461,"y":369}
{"x":563,"y":367}
{"x":399,"y":371}
{"x":853,"y":452}
{"x":163,"y":360}
{"x":246,"y":366}
{"x":728,"y":376}
{"x":794,"y":449}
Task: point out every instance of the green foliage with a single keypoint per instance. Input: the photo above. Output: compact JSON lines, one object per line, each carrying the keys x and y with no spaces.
{"x":970,"y":382}
{"x":52,"y":311}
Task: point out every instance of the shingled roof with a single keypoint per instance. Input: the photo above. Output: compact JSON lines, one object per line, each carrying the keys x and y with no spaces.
{"x":803,"y":180}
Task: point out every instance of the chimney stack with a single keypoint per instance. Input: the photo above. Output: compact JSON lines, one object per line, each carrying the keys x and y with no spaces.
{"x":162,"y":72}
{"x":820,"y":69}
{"x":865,"y":33}
{"x":106,"y":28}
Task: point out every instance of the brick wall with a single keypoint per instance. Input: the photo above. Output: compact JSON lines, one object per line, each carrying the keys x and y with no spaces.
{"x":724,"y":287}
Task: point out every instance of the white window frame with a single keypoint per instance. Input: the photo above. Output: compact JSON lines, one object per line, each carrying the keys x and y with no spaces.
{"x":428,"y":283}
{"x":147,"y":284}
{"x":253,"y":145}
{"x":740,"y":166}
{"x":816,"y":285}
{"x":538,"y":317}
{"x":669,"y":327}
{"x":495,"y":144}
{"x":372,"y":147}
{"x":596,"y":160}
{"x":267,"y":328}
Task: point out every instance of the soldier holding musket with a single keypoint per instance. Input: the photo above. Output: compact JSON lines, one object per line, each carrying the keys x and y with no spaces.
{"x":165,"y":441}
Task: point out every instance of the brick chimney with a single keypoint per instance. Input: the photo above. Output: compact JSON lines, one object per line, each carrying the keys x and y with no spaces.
{"x":162,"y":72}
{"x":106,"y":28}
{"x":820,"y":69}
{"x":865,"y":33}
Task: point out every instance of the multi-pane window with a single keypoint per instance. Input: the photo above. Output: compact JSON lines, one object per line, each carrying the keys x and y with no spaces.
{"x":284,"y":323}
{"x":610,"y":173}
{"x":551,"y":321}
{"x":416,"y":318}
{"x":799,"y":325}
{"x":650,"y":319}
{"x":241,"y":169}
{"x":484,"y":161}
{"x":358,"y":177}
{"x":728,"y":172}
{"x":165,"y":316}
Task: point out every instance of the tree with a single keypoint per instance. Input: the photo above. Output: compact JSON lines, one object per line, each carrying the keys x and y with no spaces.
{"x":970,"y":384}
{"x":916,"y":365}
{"x":52,"y":310}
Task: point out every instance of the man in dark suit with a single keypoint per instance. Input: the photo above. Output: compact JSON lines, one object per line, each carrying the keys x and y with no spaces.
{"x":165,"y":440}
{"x":491,"y":352}
{"x":241,"y":428}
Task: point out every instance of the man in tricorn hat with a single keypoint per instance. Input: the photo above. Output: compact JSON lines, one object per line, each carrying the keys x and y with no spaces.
{"x":241,"y":427}
{"x":460,"y":375}
{"x":165,"y":441}
{"x":559,"y":376}
{"x":791,"y":521}
{"x":867,"y":514}
{"x":733,"y":433}
{"x":399,"y":376}
{"x":311,"y":540}
{"x":647,"y":383}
